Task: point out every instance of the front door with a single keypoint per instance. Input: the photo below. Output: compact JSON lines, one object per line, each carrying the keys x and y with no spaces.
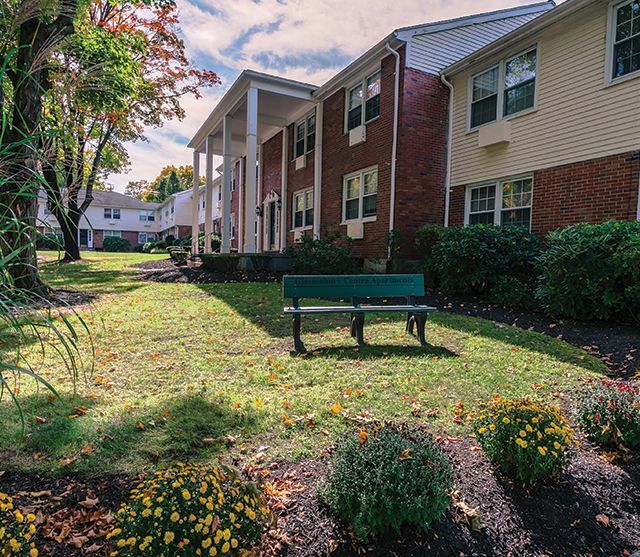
{"x":86,"y":238}
{"x":272,"y":233}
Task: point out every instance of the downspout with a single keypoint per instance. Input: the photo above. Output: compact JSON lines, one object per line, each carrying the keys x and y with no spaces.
{"x":447,"y":179}
{"x":394,"y":146}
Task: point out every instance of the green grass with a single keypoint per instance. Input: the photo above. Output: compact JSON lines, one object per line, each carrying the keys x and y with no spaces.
{"x":186,"y":371}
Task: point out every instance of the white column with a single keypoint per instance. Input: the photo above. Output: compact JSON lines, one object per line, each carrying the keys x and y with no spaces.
{"x":250,"y":178}
{"x":259,"y":198}
{"x":284,"y":224}
{"x":317,"y":173}
{"x":208,"y":197}
{"x":227,"y":169}
{"x":195,"y":203}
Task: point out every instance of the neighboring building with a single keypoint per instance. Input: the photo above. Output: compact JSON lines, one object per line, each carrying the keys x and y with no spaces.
{"x":363,"y":154}
{"x":546,"y":121}
{"x":114,"y":214}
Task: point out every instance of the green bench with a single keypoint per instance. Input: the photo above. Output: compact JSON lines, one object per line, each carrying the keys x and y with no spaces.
{"x":361,"y":291}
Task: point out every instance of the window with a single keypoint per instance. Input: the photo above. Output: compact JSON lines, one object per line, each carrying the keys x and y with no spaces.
{"x":505,"y":203}
{"x":491,"y":101}
{"x":203,"y":202}
{"x":111,"y":213}
{"x":626,"y":39}
{"x":305,"y":136}
{"x":366,"y":93}
{"x":360,"y":195}
{"x":148,"y":216}
{"x":144,"y":237}
{"x":173,"y":209}
{"x":232,"y":224}
{"x":303,"y":209}
{"x":113,"y":233}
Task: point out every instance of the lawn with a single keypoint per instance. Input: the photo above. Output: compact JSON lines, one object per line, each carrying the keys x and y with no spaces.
{"x":190,"y":372}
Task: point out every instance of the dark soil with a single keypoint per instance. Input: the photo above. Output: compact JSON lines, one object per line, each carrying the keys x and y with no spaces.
{"x":592,"y":510}
{"x":616,"y":344}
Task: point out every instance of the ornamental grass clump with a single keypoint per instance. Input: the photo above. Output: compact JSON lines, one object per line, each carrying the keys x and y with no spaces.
{"x":190,"y":510}
{"x":17,"y":530}
{"x":386,"y":478}
{"x":528,"y":440}
{"x":609,"y":411}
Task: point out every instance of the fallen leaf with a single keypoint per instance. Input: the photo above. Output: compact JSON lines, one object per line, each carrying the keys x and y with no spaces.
{"x":603,"y":520}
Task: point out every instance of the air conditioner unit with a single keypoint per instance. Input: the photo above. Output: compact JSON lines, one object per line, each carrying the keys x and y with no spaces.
{"x":112,"y":222}
{"x":357,"y":135}
{"x":297,"y":236}
{"x":301,"y":162}
{"x":355,"y":230}
{"x":494,"y":134}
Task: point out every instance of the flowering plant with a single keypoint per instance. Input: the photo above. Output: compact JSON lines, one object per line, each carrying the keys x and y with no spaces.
{"x":190,"y":510}
{"x":16,"y":530}
{"x":609,"y":411}
{"x":526,"y":439}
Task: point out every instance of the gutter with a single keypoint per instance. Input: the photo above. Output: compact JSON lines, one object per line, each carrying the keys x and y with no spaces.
{"x":394,"y":146}
{"x":447,"y":180}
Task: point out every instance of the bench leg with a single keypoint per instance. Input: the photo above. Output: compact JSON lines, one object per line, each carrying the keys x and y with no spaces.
{"x":411,"y":321}
{"x":297,"y":341}
{"x":421,"y":321}
{"x":357,"y":327}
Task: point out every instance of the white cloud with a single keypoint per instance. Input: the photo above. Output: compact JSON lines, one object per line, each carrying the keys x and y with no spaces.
{"x":236,"y":34}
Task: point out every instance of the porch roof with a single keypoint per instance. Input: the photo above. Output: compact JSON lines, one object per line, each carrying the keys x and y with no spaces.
{"x":280,"y":102}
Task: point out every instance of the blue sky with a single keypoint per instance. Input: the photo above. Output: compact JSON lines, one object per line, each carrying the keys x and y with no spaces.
{"x":307,"y":40}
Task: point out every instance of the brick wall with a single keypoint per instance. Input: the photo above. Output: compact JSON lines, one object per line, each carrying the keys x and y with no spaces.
{"x":338,"y":159}
{"x":297,"y":180}
{"x":589,"y":191}
{"x":98,"y":238}
{"x":422,"y":154}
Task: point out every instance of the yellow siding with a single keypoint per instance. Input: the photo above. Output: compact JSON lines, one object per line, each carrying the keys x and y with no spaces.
{"x":577,"y":118}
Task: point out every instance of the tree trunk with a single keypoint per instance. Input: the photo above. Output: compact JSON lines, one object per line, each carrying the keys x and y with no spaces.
{"x":69,"y":224}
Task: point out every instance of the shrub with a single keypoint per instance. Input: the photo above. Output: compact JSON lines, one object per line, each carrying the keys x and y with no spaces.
{"x":170,"y":240}
{"x":50,"y":241}
{"x":511,"y":292}
{"x":179,"y":254}
{"x":470,"y":260}
{"x":428,"y":236}
{"x":113,"y":243}
{"x":138,"y":249}
{"x":185,"y":241}
{"x":190,"y":510}
{"x":220,"y":263}
{"x":17,"y":531}
{"x":159,"y":250}
{"x":325,"y":256}
{"x":526,"y":439}
{"x":388,"y":478}
{"x":609,"y":411}
{"x":592,"y":271}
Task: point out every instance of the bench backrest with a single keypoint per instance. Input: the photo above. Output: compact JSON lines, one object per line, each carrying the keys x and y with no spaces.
{"x":335,"y":287}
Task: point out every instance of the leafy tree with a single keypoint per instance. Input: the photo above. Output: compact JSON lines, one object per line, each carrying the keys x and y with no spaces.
{"x":136,"y":188}
{"x":172,"y":179}
{"x":124,"y":71}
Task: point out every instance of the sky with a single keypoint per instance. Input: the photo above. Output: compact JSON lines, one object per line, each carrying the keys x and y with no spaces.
{"x":306,"y":40}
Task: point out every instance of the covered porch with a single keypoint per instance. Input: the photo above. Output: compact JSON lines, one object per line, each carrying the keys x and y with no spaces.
{"x":256,"y":108}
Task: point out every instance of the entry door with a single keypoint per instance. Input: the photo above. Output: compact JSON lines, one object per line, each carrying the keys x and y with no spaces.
{"x":84,"y":237}
{"x":273,"y":232}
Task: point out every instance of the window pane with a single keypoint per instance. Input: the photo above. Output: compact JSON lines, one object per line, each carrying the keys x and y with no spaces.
{"x":373,"y":85}
{"x":308,"y":217}
{"x":352,"y":209}
{"x":116,"y":213}
{"x":369,"y":205}
{"x":355,"y":118}
{"x":299,"y":148}
{"x":107,"y":213}
{"x":485,"y":84}
{"x":627,"y":57}
{"x":311,"y":142}
{"x":300,"y":131}
{"x":372,"y":108}
{"x":311,"y":124}
{"x":355,"y":97}
{"x":483,"y":199}
{"x":519,"y":98}
{"x":520,"y":69}
{"x":370,"y":183}
{"x":297,"y":219}
{"x":484,"y":111}
{"x":516,"y":217}
{"x":481,"y":218}
{"x":353,"y":188}
{"x":516,"y":194}
{"x":299,"y":203}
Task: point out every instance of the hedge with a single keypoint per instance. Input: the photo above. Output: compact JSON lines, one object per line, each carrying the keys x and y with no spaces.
{"x":113,"y":243}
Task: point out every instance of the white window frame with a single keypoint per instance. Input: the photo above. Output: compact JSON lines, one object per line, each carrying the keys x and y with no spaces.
{"x":232,"y":226}
{"x":107,"y":213}
{"x":498,"y":209}
{"x":305,"y":124}
{"x":361,"y":174}
{"x":144,"y":215}
{"x":362,"y":83}
{"x":147,"y":239}
{"x":612,"y":17}
{"x":305,"y":226}
{"x":501,"y":65}
{"x":112,"y":233}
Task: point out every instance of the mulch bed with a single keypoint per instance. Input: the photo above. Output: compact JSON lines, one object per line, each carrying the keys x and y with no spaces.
{"x":592,"y":510}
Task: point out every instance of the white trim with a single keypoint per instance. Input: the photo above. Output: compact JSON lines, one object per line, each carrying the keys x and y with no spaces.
{"x":498,"y":209}
{"x":302,"y":193}
{"x":358,"y":174}
{"x":610,"y":45}
{"x":304,"y":121}
{"x":362,"y":83}
{"x":501,"y":66}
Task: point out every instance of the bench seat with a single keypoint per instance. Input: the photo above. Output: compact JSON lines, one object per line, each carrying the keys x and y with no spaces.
{"x":359,"y":309}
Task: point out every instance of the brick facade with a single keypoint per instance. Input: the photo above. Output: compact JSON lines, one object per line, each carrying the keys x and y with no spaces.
{"x":588,"y":191}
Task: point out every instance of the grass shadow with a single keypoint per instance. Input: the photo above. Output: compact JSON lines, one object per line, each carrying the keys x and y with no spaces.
{"x":378,"y":351}
{"x":84,"y":276}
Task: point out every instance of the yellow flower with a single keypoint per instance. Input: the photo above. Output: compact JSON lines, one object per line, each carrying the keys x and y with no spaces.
{"x":492,"y":427}
{"x":523,"y":433}
{"x":482,"y":430}
{"x":206,"y":543}
{"x":225,"y":547}
{"x":174,"y":517}
{"x":506,"y":420}
{"x":528,"y":428}
{"x":169,"y":537}
{"x":33,"y":552}
{"x":542,"y":451}
{"x":186,"y":495}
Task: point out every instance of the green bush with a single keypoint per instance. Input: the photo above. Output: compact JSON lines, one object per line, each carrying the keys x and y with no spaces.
{"x":50,"y":241}
{"x":185,"y":241}
{"x":170,"y":240}
{"x":428,"y":236}
{"x":138,"y":249}
{"x":179,"y":254}
{"x":220,"y":263}
{"x":592,"y":271}
{"x":526,"y":439}
{"x":327,"y":256}
{"x":470,"y":260}
{"x":158,"y":250}
{"x":384,"y":479}
{"x":187,"y":511}
{"x":512,"y":292}
{"x":113,"y":243}
{"x":609,"y":411}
